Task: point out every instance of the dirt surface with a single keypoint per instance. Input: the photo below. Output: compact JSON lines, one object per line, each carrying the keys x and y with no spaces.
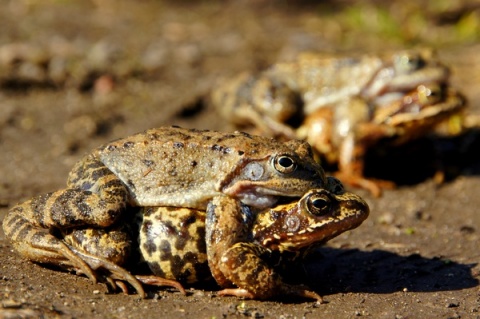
{"x":83,"y":73}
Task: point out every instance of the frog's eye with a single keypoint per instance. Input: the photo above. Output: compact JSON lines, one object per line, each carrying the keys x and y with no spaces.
{"x":408,"y":63}
{"x":429,"y":94}
{"x":319,"y":204}
{"x":284,"y":164}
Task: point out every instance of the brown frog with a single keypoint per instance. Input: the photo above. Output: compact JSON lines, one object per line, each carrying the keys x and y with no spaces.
{"x":245,"y":253}
{"x":167,"y":166}
{"x":344,"y":105}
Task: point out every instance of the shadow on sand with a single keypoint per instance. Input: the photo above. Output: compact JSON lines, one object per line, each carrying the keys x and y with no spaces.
{"x":332,"y":271}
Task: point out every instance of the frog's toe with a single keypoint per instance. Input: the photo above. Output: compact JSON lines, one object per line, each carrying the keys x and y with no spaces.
{"x":115,"y":272}
{"x":122,"y":286}
{"x":300,"y":291}
{"x":161,"y":282}
{"x":237,"y":292}
{"x":40,"y":246}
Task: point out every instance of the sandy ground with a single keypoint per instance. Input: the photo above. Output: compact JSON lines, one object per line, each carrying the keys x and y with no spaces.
{"x":150,"y":63}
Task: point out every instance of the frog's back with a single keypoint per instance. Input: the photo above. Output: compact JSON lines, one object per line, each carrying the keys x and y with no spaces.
{"x":172,"y":166}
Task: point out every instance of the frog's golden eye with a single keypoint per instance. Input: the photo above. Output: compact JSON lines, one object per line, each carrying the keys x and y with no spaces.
{"x":430,"y":94}
{"x":408,"y":62}
{"x":319,"y":204}
{"x":284,"y":164}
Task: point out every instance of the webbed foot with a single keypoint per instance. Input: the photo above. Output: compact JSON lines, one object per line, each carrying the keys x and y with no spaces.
{"x":116,"y":274}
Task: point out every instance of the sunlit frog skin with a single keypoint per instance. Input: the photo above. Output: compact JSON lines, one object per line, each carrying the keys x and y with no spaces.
{"x":187,"y":246}
{"x":344,"y":105}
{"x":168,"y":166}
{"x":245,"y":254}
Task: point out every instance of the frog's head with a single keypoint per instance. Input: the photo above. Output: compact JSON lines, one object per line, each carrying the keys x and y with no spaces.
{"x":317,"y":217}
{"x":420,"y":109}
{"x":286,"y":170}
{"x":403,"y":71}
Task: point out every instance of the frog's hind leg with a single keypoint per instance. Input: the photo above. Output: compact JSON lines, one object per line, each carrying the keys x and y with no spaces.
{"x":38,"y":245}
{"x":116,"y":274}
{"x":245,"y":266}
{"x":104,"y":250}
{"x":103,"y":195}
{"x":95,"y":197}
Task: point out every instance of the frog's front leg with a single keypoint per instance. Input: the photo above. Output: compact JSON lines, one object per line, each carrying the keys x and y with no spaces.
{"x":94,"y":197}
{"x":235,"y":260}
{"x":248,"y":269}
{"x":352,"y":162}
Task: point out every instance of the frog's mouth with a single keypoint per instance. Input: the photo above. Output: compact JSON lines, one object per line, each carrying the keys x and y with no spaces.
{"x":258,"y":201}
{"x":258,"y":196}
{"x":409,"y":110}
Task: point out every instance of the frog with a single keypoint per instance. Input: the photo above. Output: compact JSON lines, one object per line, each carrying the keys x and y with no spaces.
{"x":362,"y":98}
{"x":166,"y":166}
{"x":395,"y":123}
{"x":246,"y":265}
{"x":190,"y":246}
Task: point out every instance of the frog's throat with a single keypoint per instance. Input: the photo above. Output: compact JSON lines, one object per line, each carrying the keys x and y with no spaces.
{"x":258,"y":196}
{"x":260,"y":202}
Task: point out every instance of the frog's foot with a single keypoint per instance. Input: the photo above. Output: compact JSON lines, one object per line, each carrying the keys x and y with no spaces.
{"x":237,"y":292}
{"x":374,"y":186}
{"x":300,"y":291}
{"x":116,"y":274}
{"x":161,"y":282}
{"x":38,"y":245}
{"x":288,"y":290}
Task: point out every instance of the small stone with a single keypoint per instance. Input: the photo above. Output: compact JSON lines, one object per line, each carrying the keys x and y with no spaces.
{"x":453,"y":304}
{"x":11,"y":304}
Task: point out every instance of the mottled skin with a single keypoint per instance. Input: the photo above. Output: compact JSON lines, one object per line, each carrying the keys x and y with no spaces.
{"x":248,"y":262}
{"x":172,"y":243}
{"x":167,"y":166}
{"x":244,"y":253}
{"x":347,"y":103}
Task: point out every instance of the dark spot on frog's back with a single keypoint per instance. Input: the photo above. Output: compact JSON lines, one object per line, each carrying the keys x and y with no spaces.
{"x":128,"y":144}
{"x":245,"y":134}
{"x":148,"y":163}
{"x":111,"y":148}
{"x":178,"y":145}
{"x":225,"y":137}
{"x":153,"y":136}
{"x":222,"y":149}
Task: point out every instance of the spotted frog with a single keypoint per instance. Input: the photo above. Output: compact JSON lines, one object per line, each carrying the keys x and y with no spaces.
{"x":187,"y":245}
{"x":167,"y":166}
{"x":344,"y":105}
